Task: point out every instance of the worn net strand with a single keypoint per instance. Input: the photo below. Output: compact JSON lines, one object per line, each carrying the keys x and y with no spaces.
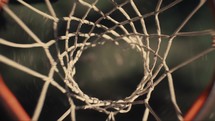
{"x":72,"y":54}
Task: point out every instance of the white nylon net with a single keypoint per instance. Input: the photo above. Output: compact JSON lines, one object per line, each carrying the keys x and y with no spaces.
{"x":119,"y":22}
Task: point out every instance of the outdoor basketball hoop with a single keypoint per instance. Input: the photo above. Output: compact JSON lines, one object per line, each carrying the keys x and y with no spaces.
{"x":124,"y":24}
